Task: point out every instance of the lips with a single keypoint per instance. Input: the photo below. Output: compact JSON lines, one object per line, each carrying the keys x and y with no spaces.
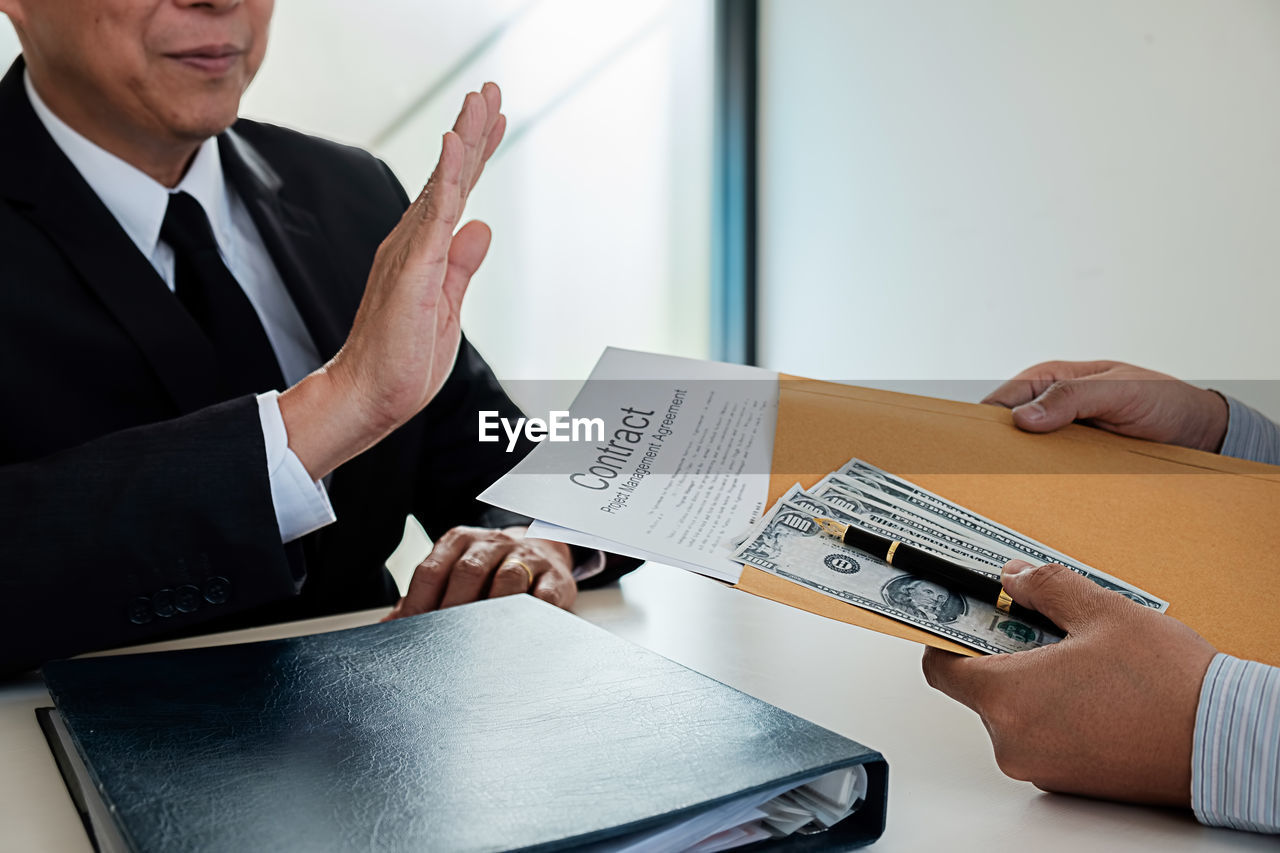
{"x":209,"y":59}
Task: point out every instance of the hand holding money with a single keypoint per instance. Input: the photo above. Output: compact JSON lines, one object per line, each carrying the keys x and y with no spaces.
{"x":786,"y":542}
{"x":1107,"y":712}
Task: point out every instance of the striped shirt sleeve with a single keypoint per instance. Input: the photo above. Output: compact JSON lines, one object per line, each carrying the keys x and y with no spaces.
{"x":1235,"y":757}
{"x":1250,"y":435}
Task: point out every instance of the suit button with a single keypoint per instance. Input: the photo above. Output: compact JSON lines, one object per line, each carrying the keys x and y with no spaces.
{"x":186,"y":598}
{"x":217,"y":590}
{"x":162,"y":603}
{"x":140,"y":610}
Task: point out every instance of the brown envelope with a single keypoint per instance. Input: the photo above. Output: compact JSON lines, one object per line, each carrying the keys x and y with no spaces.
{"x":1199,"y":530}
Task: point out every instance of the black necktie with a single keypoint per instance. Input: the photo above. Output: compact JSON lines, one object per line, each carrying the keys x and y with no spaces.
{"x":211,"y":294}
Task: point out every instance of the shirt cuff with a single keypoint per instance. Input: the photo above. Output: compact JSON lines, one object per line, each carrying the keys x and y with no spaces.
{"x":1250,"y":434}
{"x":591,"y":565}
{"x":302,"y":505}
{"x":1235,"y":754}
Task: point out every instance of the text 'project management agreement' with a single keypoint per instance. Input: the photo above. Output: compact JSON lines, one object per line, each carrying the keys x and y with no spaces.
{"x":669,"y":460}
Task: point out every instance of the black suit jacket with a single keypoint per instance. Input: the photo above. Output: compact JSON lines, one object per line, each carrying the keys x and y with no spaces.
{"x":134,"y":503}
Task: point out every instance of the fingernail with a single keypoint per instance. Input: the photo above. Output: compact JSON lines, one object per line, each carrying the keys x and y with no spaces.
{"x":1016,"y":567}
{"x":1030,"y":411}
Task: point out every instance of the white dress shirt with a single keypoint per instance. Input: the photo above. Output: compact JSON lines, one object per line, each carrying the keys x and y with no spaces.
{"x":138,"y":203}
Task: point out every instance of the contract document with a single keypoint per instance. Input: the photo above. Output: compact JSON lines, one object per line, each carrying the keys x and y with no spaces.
{"x":672,"y":465}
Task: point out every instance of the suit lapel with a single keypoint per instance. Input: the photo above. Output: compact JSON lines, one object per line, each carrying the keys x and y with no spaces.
{"x":39,"y":179}
{"x":293,"y":238}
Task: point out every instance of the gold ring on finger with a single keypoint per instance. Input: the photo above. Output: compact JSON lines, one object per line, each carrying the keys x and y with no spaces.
{"x":528,"y":571}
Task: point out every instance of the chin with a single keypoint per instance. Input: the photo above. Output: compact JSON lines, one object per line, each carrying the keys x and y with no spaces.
{"x":192,"y":110}
{"x":202,"y":125}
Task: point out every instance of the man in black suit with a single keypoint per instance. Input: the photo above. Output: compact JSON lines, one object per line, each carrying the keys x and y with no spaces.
{"x":164,"y":270}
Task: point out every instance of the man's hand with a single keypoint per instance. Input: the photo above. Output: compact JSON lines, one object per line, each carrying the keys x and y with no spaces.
{"x":1118,"y":397}
{"x":471,"y":563}
{"x":406,"y":332}
{"x":1108,"y":712}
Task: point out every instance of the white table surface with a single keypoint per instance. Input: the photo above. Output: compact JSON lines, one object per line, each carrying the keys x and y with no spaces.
{"x":945,"y":791}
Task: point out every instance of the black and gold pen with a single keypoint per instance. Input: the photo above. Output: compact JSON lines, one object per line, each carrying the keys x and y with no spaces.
{"x":953,"y":576}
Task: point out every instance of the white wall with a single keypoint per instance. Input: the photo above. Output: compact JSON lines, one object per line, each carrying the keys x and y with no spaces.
{"x":600,"y":198}
{"x":8,"y":43}
{"x":957,"y":190}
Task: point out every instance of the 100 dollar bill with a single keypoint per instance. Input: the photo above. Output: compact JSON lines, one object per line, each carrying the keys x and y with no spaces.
{"x":788,"y":543}
{"x":945,"y":515}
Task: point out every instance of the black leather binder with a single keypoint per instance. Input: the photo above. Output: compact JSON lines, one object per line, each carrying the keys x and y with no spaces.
{"x":501,"y":725}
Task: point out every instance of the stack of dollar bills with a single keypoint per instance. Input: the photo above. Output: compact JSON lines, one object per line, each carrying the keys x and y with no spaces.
{"x":787,"y":542}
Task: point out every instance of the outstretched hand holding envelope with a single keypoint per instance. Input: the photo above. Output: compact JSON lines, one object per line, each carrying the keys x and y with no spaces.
{"x":1163,"y":518}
